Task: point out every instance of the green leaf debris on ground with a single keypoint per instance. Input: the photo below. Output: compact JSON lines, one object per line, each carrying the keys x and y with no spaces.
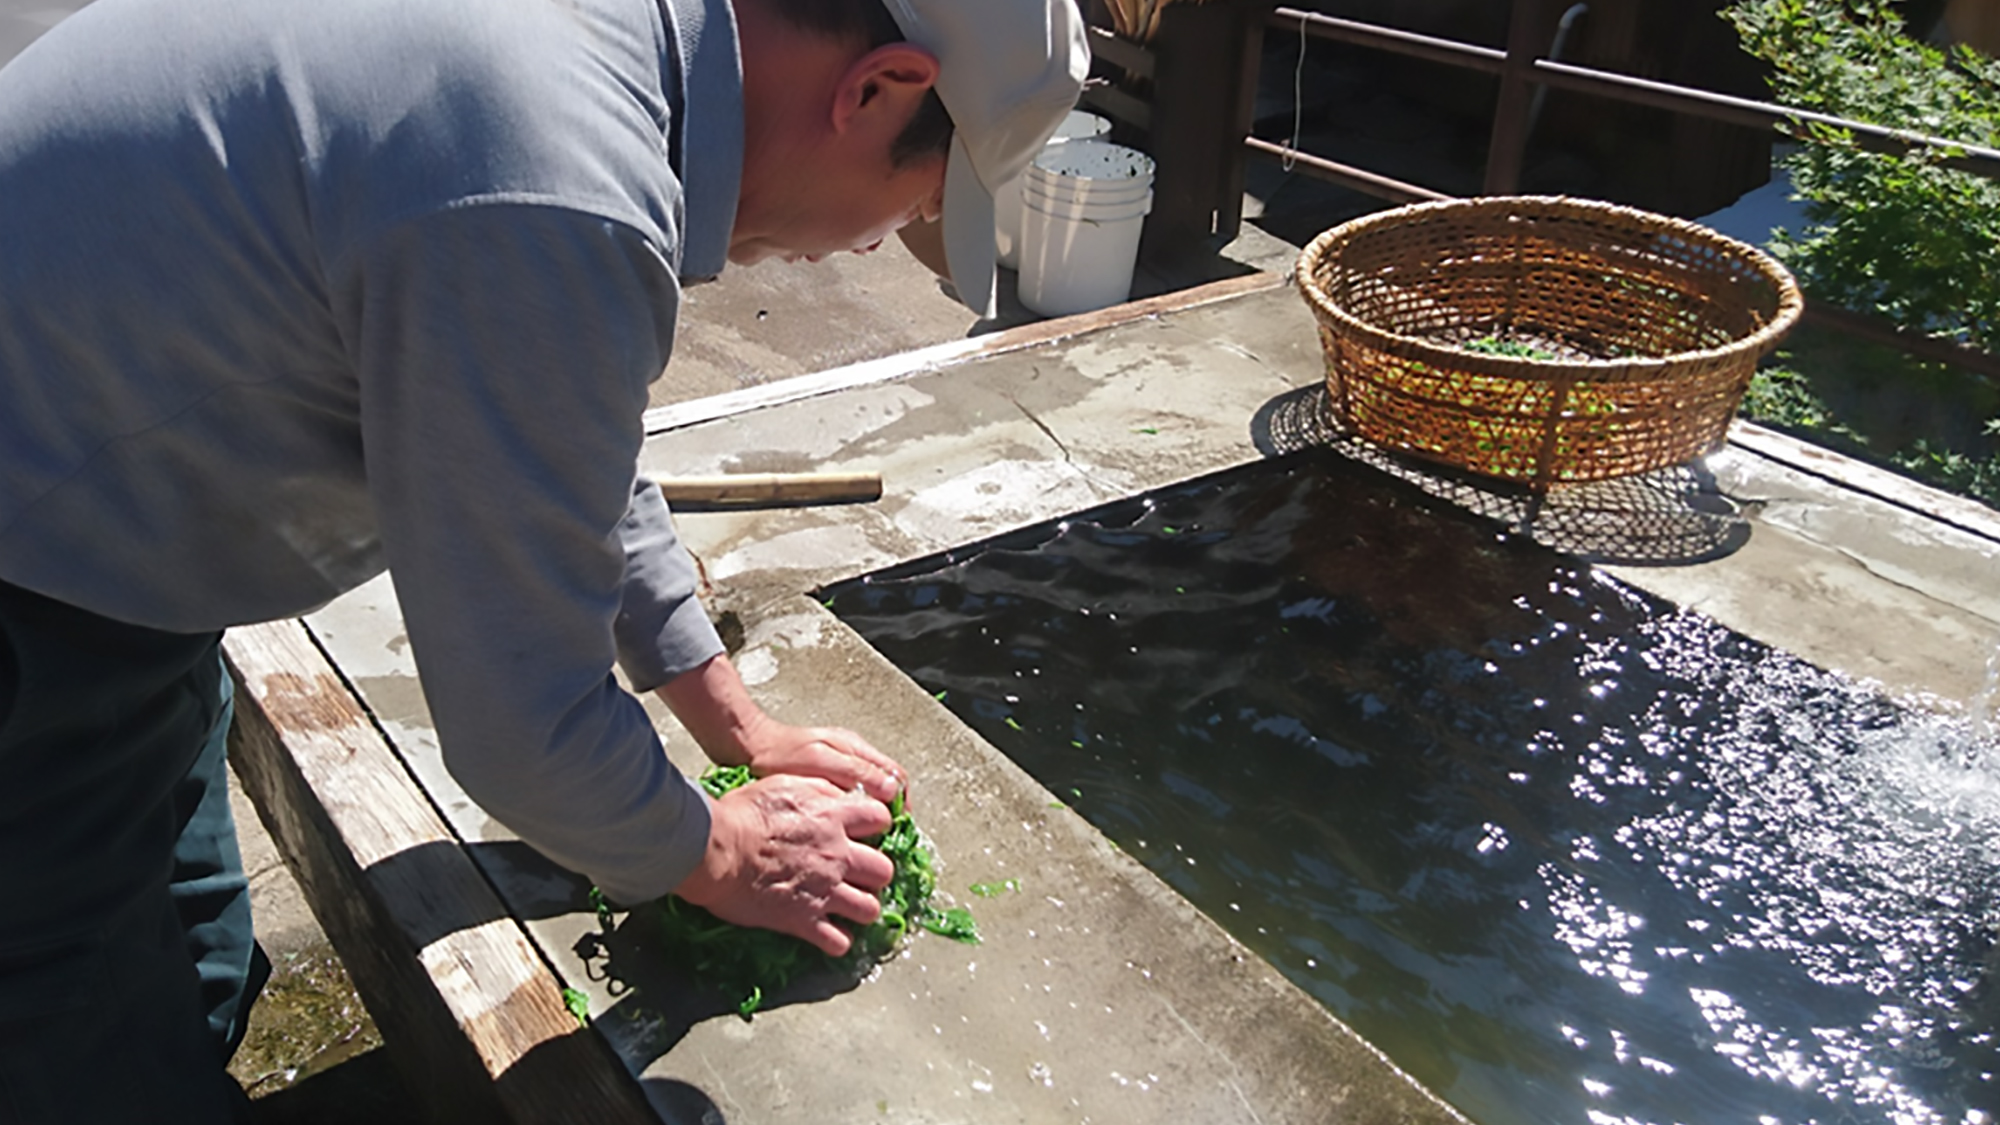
{"x":578,"y":1004}
{"x":749,"y":964}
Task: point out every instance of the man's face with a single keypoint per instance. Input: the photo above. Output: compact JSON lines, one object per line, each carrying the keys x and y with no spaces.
{"x":851,"y":200}
{"x":820,"y":127}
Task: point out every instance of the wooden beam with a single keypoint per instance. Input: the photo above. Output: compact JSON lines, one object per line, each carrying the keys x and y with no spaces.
{"x":1106,"y":45}
{"x":1507,"y":149}
{"x":1195,"y":141}
{"x":1231,"y":155}
{"x":1119,"y":106}
{"x":473,"y":1016}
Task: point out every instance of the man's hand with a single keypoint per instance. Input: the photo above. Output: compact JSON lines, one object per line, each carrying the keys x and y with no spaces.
{"x":837,"y":755}
{"x":712,"y":703}
{"x":784,"y":853}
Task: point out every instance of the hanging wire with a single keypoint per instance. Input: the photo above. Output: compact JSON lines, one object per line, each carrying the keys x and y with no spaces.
{"x":1298,"y":100}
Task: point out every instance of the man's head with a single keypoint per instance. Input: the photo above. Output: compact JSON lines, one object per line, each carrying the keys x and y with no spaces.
{"x":863,"y":115}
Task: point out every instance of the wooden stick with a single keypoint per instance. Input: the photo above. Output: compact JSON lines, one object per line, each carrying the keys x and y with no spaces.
{"x":747,"y":488}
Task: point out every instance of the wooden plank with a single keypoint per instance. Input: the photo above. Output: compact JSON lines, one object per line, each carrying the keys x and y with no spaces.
{"x":474,"y":1017}
{"x":1120,"y":106}
{"x":950,"y":353}
{"x":1105,"y":44}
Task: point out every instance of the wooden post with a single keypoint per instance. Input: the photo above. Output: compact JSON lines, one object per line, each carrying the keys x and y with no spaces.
{"x":1252,"y":17}
{"x":1204,"y":89}
{"x":1508,"y":147}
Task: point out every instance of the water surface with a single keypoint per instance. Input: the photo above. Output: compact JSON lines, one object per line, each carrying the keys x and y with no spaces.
{"x":1564,"y":852}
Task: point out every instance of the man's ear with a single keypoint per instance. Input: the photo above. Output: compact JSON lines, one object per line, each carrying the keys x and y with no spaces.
{"x":881,"y":89}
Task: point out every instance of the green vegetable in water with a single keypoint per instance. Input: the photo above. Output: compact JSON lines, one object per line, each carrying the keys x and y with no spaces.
{"x":749,"y":963}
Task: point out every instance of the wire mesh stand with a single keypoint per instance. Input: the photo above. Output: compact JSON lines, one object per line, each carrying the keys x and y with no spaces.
{"x":1666,"y":517}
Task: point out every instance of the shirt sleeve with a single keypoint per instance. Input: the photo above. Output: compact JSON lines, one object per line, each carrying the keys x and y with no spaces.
{"x":662,"y":628}
{"x":503,"y":354}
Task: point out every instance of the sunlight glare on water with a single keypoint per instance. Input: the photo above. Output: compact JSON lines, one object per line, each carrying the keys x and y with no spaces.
{"x":1566,"y":853}
{"x":1989,"y":695}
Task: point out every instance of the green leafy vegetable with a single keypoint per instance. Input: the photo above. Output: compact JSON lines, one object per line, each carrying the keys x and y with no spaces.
{"x":993,"y":890}
{"x":955,"y":923}
{"x":749,"y":964}
{"x":1512,"y":349}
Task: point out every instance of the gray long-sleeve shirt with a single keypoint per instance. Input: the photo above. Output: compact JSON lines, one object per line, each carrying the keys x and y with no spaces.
{"x":291,"y":291}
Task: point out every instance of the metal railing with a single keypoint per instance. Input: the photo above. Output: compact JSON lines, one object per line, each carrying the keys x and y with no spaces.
{"x":1521,"y":70}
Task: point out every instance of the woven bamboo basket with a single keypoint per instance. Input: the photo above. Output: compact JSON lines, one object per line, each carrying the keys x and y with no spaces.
{"x":1626,"y":339}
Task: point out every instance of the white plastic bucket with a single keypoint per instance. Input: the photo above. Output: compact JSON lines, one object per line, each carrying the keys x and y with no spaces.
{"x":1077,"y":126}
{"x":1077,"y":256}
{"x":1078,"y":190}
{"x":1097,"y":170}
{"x":1087,"y":208}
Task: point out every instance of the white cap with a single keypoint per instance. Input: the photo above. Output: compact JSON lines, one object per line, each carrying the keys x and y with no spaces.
{"x":1009,"y":71}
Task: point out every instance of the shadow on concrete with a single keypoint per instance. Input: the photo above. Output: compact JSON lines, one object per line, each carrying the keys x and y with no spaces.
{"x":657,"y":999}
{"x":679,"y":1103}
{"x":1669,"y":517}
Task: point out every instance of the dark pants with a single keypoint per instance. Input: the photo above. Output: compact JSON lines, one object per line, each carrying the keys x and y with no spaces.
{"x":127,"y":963}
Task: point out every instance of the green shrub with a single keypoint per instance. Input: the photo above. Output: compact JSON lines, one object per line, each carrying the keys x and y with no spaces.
{"x":1783,"y":397}
{"x":1901,"y":236}
{"x":1898,"y":235}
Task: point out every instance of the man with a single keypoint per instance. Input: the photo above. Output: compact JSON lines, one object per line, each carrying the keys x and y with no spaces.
{"x":291,"y":292}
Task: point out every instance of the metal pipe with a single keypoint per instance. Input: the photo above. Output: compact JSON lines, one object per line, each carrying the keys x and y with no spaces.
{"x":1448,"y":51}
{"x":1346,"y":175}
{"x":1972,"y":158}
{"x":1884,"y":331}
{"x":1976,"y":159}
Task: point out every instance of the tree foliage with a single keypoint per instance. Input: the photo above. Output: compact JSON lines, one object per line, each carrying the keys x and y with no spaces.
{"x":1899,"y":235}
